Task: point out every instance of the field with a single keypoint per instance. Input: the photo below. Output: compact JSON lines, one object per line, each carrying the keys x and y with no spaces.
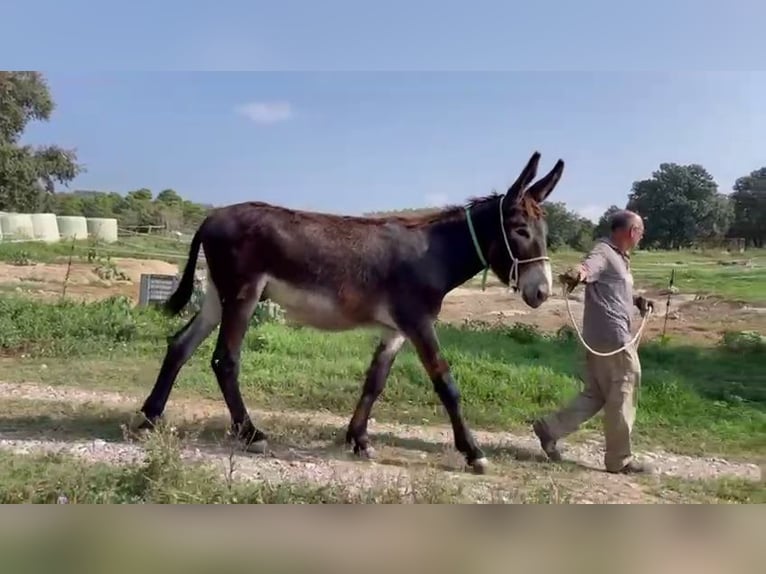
{"x":75,"y":368}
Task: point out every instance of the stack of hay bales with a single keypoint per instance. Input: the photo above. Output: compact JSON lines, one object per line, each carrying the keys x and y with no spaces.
{"x":72,"y":226}
{"x":102,"y":228}
{"x":45,"y":227}
{"x":50,"y":228}
{"x":17,"y":226}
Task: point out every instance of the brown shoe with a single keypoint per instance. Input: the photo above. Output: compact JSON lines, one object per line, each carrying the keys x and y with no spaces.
{"x":546,"y":441}
{"x":634,"y":467}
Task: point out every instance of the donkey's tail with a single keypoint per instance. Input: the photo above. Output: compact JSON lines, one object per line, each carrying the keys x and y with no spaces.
{"x":185,"y":288}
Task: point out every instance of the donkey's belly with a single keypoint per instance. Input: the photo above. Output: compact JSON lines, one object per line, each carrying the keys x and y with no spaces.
{"x":310,"y":308}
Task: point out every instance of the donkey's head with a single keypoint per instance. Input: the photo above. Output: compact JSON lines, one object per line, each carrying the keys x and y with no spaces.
{"x":518,"y":253}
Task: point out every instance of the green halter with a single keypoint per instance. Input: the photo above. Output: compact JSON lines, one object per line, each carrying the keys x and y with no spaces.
{"x":478,"y":248}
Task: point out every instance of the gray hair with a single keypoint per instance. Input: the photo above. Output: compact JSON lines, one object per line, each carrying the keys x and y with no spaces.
{"x":623,"y":219}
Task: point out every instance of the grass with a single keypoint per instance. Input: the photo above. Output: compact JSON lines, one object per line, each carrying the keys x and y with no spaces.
{"x":694,"y":401}
{"x":139,"y":247}
{"x":165,"y":477}
{"x":728,"y":490}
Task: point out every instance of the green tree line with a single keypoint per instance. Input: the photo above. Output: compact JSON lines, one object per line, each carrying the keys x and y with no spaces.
{"x":136,"y":209}
{"x":28,"y":175}
{"x":681,"y":204}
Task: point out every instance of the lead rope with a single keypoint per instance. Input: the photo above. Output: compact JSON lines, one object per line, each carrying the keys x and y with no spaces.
{"x":633,"y":342}
{"x":609,"y":354}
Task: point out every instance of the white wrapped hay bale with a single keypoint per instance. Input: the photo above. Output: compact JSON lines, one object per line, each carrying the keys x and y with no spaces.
{"x":72,"y":227}
{"x":103,"y":228}
{"x":17,"y":226}
{"x":45,"y":227}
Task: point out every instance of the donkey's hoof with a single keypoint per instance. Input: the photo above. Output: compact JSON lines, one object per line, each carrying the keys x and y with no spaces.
{"x":257,"y":446}
{"x":367,"y":453}
{"x":140,"y":425}
{"x":480,"y":466}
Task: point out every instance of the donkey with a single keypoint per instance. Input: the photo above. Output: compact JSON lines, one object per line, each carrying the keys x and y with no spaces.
{"x":334,"y":273}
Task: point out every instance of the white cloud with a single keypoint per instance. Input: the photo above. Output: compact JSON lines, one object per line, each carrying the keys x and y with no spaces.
{"x":592,"y":212}
{"x":436,"y":199}
{"x":266,"y":112}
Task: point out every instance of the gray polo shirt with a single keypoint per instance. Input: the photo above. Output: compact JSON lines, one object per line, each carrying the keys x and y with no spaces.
{"x":608,"y":297}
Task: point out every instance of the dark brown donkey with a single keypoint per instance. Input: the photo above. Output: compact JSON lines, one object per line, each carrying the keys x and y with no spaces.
{"x":337,"y":272}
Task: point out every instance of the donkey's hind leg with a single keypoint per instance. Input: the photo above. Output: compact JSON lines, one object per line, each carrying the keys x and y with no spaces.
{"x":235,"y":320}
{"x":180,"y":348}
{"x":375,"y":379}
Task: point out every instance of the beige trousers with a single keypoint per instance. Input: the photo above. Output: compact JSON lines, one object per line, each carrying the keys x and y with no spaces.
{"x":611,"y":383}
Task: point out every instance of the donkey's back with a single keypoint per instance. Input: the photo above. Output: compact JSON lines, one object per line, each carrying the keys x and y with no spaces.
{"x":327,"y":271}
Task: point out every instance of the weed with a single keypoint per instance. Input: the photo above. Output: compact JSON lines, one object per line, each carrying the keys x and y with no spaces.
{"x":20,"y":258}
{"x":107,"y":271}
{"x":743,"y":341}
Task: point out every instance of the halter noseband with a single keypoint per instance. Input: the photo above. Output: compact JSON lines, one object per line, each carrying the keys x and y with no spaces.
{"x":513,"y":275}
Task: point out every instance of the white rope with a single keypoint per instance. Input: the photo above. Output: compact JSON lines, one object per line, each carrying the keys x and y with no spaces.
{"x":633,"y":342}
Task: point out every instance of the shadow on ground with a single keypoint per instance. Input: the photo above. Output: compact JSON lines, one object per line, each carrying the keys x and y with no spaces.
{"x":288,"y":440}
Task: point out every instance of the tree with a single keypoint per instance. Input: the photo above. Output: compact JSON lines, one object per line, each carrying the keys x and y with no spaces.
{"x":169,"y":197}
{"x":28,"y":175}
{"x":602,"y":228}
{"x":680,"y":204}
{"x":566,"y":228}
{"x":749,"y":207}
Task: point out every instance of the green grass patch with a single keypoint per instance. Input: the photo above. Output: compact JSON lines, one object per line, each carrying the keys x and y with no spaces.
{"x":722,"y":490}
{"x":147,"y":247}
{"x":692,"y":400}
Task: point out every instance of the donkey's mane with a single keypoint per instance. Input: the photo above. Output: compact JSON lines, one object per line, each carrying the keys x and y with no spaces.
{"x":456,"y":212}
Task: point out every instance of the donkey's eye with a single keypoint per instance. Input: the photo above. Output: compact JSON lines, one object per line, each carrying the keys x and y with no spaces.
{"x":523,"y":231}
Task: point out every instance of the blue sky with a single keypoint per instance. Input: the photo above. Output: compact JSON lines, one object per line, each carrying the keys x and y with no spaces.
{"x":132,"y":99}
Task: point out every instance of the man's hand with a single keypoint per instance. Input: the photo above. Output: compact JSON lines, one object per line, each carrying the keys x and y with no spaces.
{"x":571,"y":278}
{"x":644,"y":305}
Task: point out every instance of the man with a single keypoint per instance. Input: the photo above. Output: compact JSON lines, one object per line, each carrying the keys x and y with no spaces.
{"x":610,"y":382}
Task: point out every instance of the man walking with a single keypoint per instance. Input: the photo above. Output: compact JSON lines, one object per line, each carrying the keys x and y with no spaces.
{"x":610,"y":382}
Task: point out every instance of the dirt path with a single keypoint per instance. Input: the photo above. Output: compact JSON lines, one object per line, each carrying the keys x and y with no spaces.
{"x":408,"y":455}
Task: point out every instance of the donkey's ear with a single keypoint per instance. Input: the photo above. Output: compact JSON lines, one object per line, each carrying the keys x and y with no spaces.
{"x":527,"y":175}
{"x":543,"y":187}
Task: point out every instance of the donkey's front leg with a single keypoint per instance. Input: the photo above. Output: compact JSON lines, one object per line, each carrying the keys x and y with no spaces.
{"x":426,"y":343}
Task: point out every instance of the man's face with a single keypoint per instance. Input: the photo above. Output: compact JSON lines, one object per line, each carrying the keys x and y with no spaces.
{"x":635,"y":232}
{"x":629,"y":237}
